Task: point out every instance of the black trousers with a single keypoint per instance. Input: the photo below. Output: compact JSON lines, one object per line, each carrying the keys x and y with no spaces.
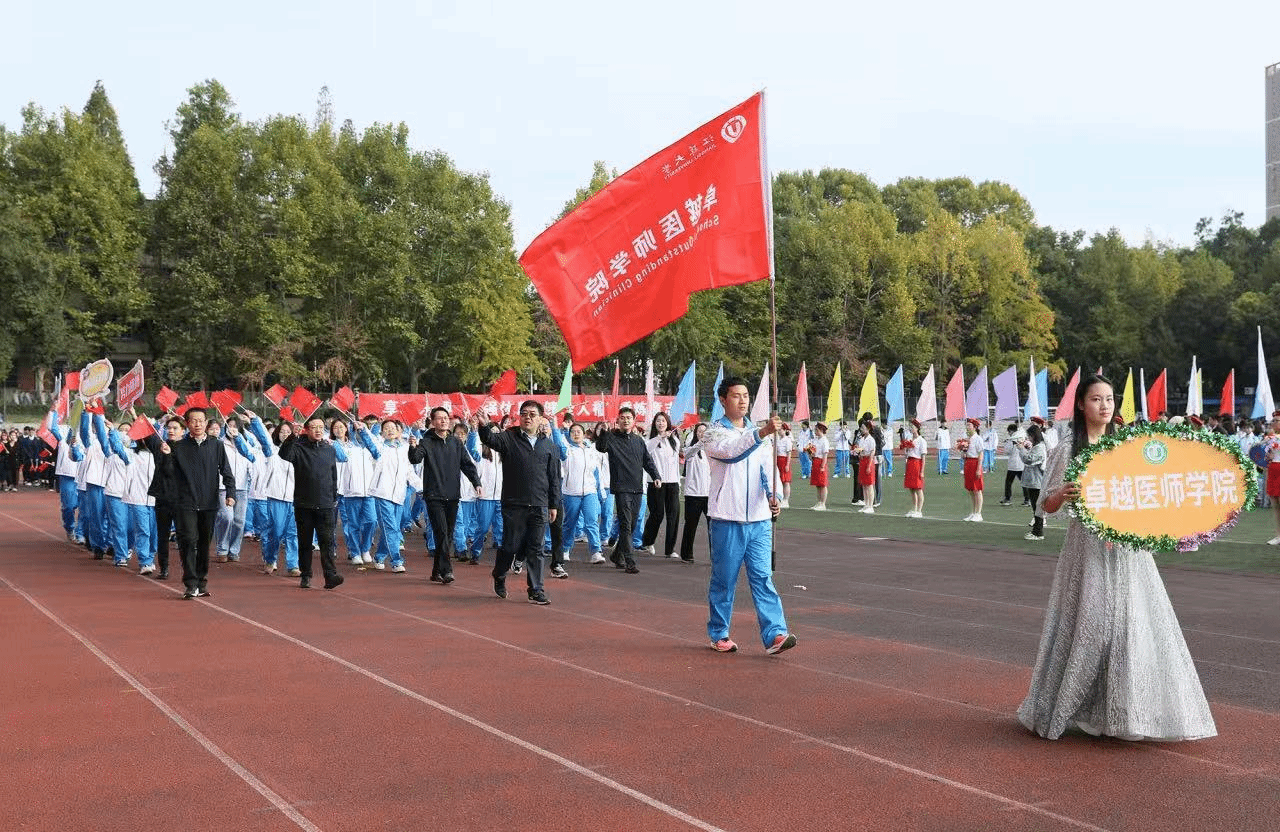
{"x":694,"y":508}
{"x":443,"y":515}
{"x":195,"y":531}
{"x":523,"y":528}
{"x":1009,"y":477}
{"x":320,"y":523}
{"x":664,"y":502}
{"x":1037,"y":522}
{"x":628,"y":507}
{"x":165,"y":519}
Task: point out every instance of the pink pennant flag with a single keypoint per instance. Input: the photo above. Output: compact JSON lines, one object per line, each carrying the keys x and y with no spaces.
{"x":802,"y":395}
{"x":1063,"y":413}
{"x":953,"y":410}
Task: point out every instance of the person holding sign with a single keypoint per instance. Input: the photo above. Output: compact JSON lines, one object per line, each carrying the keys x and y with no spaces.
{"x":1112,"y":660}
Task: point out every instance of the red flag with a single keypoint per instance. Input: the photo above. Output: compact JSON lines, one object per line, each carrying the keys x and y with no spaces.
{"x":141,"y":429}
{"x":166,"y":398}
{"x":287,"y":414}
{"x":691,"y":217}
{"x":411,"y":409}
{"x":276,"y":394}
{"x":72,"y":381}
{"x":616,"y":374}
{"x":181,"y":410}
{"x":95,"y":406}
{"x":305,"y":402}
{"x":390,"y":405}
{"x":802,"y":395}
{"x":64,"y":404}
{"x":47,"y":435}
{"x":505,"y":385}
{"x":1066,"y":407}
{"x":343,"y":399}
{"x":225,"y":401}
{"x":197,"y":399}
{"x":1157,"y":402}
{"x":953,"y":410}
{"x":1228,"y":403}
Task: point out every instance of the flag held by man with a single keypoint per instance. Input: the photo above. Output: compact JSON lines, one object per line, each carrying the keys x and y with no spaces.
{"x":693,"y":216}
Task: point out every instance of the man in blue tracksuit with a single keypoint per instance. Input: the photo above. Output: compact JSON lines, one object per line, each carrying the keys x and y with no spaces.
{"x":740,"y":513}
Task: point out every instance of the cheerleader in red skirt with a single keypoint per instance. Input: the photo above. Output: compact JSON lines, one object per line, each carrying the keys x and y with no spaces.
{"x":867,"y":466}
{"x":784,"y":444}
{"x":973,"y":468}
{"x":914,"y":446}
{"x":818,"y":448}
{"x":1272,"y":444}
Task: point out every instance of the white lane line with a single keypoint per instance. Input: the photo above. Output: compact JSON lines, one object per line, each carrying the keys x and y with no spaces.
{"x":221,"y":756}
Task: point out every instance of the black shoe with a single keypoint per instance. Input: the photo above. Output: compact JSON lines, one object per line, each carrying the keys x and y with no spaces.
{"x":98,"y":554}
{"x":686,"y":560}
{"x":191,"y":594}
{"x":202,"y":593}
{"x":162,"y":575}
{"x":305,"y":583}
{"x":632,"y":569}
{"x":539,"y":598}
{"x":436,"y":579}
{"x":333,"y":581}
{"x":500,"y":587}
{"x":446,"y":578}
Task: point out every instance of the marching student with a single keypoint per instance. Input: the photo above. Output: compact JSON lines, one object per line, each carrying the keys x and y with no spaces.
{"x":280,"y":525}
{"x":1014,"y":465}
{"x":464,"y":527}
{"x":1033,"y":454}
{"x":116,"y":479}
{"x":488,"y":516}
{"x":886,"y":454}
{"x":804,"y":438}
{"x":228,"y":529}
{"x":867,"y":458}
{"x":582,"y":492}
{"x":355,"y":506}
{"x":389,"y":486}
{"x":664,"y":493}
{"x":697,"y":487}
{"x":69,"y":456}
{"x":818,"y":449}
{"x":93,"y":503}
{"x":740,"y":520}
{"x":915,"y":447}
{"x":608,"y":520}
{"x":990,"y":441}
{"x":143,"y":534}
{"x":973,"y":468}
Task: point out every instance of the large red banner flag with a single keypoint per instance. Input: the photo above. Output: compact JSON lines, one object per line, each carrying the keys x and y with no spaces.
{"x":1227,"y":404}
{"x":1157,"y":396}
{"x":694,"y":216}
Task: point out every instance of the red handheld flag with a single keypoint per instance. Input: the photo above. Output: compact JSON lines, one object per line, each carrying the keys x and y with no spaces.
{"x":181,"y":410}
{"x":166,"y":398}
{"x":72,"y":382}
{"x":505,"y":385}
{"x":286,"y":414}
{"x":305,"y":402}
{"x":225,"y":401}
{"x":47,"y":435}
{"x":344,"y":399}
{"x":276,"y":394}
{"x":411,"y":409}
{"x":141,"y":429}
{"x":197,"y":399}
{"x":64,"y":404}
{"x":1228,"y":403}
{"x":694,"y":216}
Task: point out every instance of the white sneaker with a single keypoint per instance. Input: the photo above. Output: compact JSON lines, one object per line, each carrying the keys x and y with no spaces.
{"x":1275,"y":541}
{"x":1032,"y":536}
{"x":399,"y":567}
{"x":673,"y":555}
{"x":598,"y":557}
{"x":968,"y":518}
{"x":268,"y":569}
{"x":976,"y":518}
{"x":379,"y":566}
{"x":820,"y":507}
{"x":784,"y":504}
{"x":648,"y":550}
{"x":867,"y":510}
{"x":356,"y":561}
{"x":146,"y":570}
{"x":367,"y":558}
{"x":859,"y":502}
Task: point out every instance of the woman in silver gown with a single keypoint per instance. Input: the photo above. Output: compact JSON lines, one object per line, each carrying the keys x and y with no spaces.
{"x":1112,"y":659}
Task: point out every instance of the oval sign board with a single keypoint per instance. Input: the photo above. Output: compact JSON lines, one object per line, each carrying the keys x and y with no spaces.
{"x":1171,"y":488}
{"x":95,"y":379}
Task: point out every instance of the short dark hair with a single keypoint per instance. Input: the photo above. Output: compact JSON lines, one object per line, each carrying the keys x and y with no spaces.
{"x":625,"y":409}
{"x":386,"y":422}
{"x":444,"y":410}
{"x":314,"y":417}
{"x":730,"y":383}
{"x":533,"y":404}
{"x":193,"y":411}
{"x":173,"y":419}
{"x":369,"y":416}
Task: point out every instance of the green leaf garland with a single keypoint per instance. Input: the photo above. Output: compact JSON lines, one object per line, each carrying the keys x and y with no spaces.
{"x":1160,"y":543}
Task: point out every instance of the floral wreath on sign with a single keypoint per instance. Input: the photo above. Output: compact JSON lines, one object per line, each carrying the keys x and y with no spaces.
{"x":1164,"y":542}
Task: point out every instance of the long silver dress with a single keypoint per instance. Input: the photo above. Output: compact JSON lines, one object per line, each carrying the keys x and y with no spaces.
{"x":1112,"y":658}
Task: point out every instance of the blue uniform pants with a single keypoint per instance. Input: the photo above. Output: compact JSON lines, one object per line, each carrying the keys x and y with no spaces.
{"x":733,"y":546}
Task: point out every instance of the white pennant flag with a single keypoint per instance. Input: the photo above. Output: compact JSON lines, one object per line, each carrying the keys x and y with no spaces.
{"x":760,"y":405}
{"x":927,"y":404}
{"x":1263,"y":403}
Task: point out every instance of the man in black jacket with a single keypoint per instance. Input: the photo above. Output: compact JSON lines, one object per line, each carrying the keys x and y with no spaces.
{"x":530,"y":493}
{"x":629,"y":460}
{"x":443,"y":457}
{"x":315,"y":497}
{"x":164,"y":488}
{"x":198,"y":461}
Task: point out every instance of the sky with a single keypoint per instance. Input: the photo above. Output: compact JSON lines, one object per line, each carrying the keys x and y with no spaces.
{"x":1137,"y":116}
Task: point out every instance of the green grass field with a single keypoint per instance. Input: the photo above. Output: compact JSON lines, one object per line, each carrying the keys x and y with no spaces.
{"x":946,"y":502}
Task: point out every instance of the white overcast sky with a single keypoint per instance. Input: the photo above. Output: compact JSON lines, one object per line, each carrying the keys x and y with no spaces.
{"x":1136,"y":115}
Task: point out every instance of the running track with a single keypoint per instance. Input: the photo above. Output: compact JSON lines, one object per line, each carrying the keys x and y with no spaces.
{"x":398,"y":704}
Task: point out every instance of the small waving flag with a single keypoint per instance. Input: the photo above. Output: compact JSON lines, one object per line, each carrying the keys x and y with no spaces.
{"x":141,"y":429}
{"x":305,"y":402}
{"x":197,"y":399}
{"x":166,"y":398}
{"x":287,"y":414}
{"x":343,"y":399}
{"x":225,"y":401}
{"x":276,"y":394}
{"x":505,"y":385}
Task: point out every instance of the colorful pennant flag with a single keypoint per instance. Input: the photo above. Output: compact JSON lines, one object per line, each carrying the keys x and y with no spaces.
{"x":1227,"y":404}
{"x":225,"y":401}
{"x":304,"y":402}
{"x":166,"y":399}
{"x":835,"y":399}
{"x":893,"y":396}
{"x":869,"y":398}
{"x":977,"y":399}
{"x":954,"y":409}
{"x":198,"y":399}
{"x":1128,"y":409}
{"x":566,"y":390}
{"x":276,"y":394}
{"x":717,"y":407}
{"x":802,"y":395}
{"x":1067,"y":405}
{"x":1158,"y":396}
{"x":760,"y":404}
{"x":684,"y":410}
{"x":1006,"y":387}
{"x":927,"y":404}
{"x":1263,"y":403}
{"x":141,"y":429}
{"x":344,"y":398}
{"x":506,"y":385}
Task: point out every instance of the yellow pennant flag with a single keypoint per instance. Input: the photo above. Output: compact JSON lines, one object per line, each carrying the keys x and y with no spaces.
{"x":835,"y":399}
{"x":1128,"y":411}
{"x":869,"y":401}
